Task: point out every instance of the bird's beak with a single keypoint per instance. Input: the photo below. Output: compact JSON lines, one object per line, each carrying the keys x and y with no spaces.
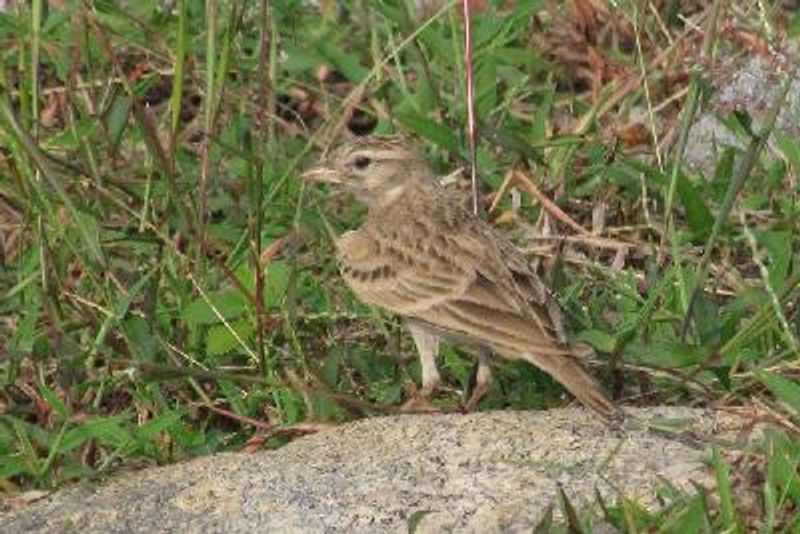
{"x":323,"y":172}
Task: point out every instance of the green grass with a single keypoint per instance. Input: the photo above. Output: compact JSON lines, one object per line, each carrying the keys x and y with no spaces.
{"x":166,"y":281}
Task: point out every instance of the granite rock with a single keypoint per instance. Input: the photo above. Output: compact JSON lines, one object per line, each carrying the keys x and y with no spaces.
{"x":482,"y":472}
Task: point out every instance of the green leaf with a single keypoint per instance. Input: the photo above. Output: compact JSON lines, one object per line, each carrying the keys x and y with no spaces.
{"x":545,"y":524}
{"x":331,"y":366}
{"x":299,"y":57}
{"x":159,"y":424}
{"x":28,"y":452}
{"x":52,"y":399}
{"x":140,"y":337}
{"x":598,"y":339}
{"x":90,"y":232}
{"x":779,"y":245}
{"x":665,"y":354}
{"x":698,"y":215}
{"x":25,"y":334}
{"x":723,"y":172}
{"x":117,"y":119}
{"x":790,"y":146}
{"x":688,"y":518}
{"x":770,"y":503}
{"x":221,"y":339}
{"x":430,"y":130}
{"x":783,"y":465}
{"x":523,"y":11}
{"x":415,"y":519}
{"x":276,"y":282}
{"x":352,"y":69}
{"x":9,"y":26}
{"x":708,"y":322}
{"x":107,"y":430}
{"x":569,"y":511}
{"x":230,"y":303}
{"x":787,"y":391}
{"x":485,"y":85}
{"x":727,"y":506}
{"x":13,"y":465}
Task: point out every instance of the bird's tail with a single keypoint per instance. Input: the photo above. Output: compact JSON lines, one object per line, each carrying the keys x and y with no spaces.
{"x":565,"y":369}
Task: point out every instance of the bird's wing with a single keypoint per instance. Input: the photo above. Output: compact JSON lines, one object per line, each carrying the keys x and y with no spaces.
{"x":408,"y":278}
{"x":451,"y":276}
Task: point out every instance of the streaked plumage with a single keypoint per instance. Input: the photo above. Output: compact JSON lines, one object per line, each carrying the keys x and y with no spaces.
{"x":449,"y":274}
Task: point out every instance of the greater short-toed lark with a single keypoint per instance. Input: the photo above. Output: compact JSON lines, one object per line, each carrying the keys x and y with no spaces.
{"x":449,"y":274}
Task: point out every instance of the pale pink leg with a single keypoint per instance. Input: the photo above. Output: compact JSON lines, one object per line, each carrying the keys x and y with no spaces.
{"x":428,"y":347}
{"x":483,"y":379}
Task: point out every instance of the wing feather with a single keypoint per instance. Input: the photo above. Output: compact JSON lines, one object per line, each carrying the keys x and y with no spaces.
{"x":453,"y":280}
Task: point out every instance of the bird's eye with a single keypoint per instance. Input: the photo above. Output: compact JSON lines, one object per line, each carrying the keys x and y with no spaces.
{"x":361,"y":162}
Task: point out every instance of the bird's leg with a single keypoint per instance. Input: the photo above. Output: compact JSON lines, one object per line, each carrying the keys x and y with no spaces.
{"x":480,"y":380}
{"x":428,"y":348}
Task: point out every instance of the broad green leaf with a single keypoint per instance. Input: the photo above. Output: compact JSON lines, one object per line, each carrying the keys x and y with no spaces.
{"x":787,"y":391}
{"x":139,"y":334}
{"x":275,"y":283}
{"x":723,"y":172}
{"x":347,"y":63}
{"x":598,"y":339}
{"x":12,"y":465}
{"x":707,"y":320}
{"x":430,"y":130}
{"x":698,"y":215}
{"x":299,"y":58}
{"x":25,"y":446}
{"x":230,"y":303}
{"x":159,"y":424}
{"x":117,"y":119}
{"x":779,"y":245}
{"x":790,"y":146}
{"x":221,"y":340}
{"x":665,"y":354}
{"x":244,"y":274}
{"x":10,"y":25}
{"x":90,"y":232}
{"x":107,"y":430}
{"x":331,"y":366}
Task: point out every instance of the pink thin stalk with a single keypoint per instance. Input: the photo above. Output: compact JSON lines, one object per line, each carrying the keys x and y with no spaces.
{"x":472,"y":129}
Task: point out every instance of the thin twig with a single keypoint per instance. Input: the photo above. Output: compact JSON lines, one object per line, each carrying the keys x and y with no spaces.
{"x":527,"y":184}
{"x":472,"y":130}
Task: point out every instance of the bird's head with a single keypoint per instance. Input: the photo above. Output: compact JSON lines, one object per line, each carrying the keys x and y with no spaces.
{"x":374,"y":168}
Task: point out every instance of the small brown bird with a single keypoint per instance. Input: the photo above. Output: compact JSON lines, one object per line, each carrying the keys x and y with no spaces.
{"x":450,"y":275}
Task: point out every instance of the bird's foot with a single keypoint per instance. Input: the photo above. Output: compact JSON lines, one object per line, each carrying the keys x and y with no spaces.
{"x":418,"y":402}
{"x":479,"y":381}
{"x":478,"y":393}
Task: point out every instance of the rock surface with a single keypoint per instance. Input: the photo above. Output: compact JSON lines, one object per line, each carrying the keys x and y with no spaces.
{"x":483,"y":472}
{"x":751,"y":87}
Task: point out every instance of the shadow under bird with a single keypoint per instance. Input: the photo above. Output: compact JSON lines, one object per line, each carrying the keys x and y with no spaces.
{"x":451,"y":276}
